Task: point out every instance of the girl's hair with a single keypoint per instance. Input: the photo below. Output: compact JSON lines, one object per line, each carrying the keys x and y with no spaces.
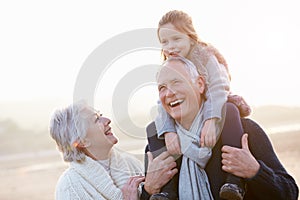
{"x":183,"y":23}
{"x":68,"y":126}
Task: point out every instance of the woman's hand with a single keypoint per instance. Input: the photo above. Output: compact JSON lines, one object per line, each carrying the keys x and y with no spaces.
{"x":130,"y":189}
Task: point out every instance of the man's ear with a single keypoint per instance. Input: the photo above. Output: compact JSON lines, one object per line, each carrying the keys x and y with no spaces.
{"x":201,"y":83}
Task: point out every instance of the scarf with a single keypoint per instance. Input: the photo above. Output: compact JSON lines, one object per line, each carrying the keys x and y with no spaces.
{"x":193,"y":181}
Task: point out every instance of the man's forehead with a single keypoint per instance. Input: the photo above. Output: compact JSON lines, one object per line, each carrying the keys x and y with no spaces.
{"x":174,"y":68}
{"x":170,"y":74}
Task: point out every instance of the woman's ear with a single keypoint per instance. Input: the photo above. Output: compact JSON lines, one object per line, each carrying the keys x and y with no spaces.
{"x":85,"y":143}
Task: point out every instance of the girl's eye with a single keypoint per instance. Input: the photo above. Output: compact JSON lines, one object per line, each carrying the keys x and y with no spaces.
{"x":177,"y":38}
{"x":163,"y":42}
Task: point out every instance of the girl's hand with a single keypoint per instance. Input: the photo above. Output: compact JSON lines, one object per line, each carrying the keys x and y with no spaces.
{"x":172,"y":143}
{"x":208,"y":133}
{"x":242,"y":105}
{"x":130,"y":189}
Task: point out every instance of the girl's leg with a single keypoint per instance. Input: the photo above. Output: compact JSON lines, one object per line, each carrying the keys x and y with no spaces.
{"x":231,"y":135}
{"x":232,"y":130}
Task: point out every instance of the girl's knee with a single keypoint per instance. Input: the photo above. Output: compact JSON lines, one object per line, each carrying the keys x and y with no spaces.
{"x":232,"y":110}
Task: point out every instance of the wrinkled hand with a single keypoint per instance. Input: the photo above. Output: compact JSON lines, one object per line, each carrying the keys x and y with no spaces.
{"x":208,"y":133}
{"x":172,"y":143}
{"x":160,"y":171}
{"x":239,"y":162}
{"x":130,"y":189}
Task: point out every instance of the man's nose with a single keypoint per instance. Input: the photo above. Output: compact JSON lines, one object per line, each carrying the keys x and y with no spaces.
{"x":170,"y":92}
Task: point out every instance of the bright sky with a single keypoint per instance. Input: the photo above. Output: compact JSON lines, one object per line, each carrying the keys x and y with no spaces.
{"x":44,"y":44}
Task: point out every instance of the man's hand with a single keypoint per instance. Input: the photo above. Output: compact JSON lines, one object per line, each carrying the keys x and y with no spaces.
{"x":160,"y":171}
{"x":130,"y":189}
{"x":239,"y":162}
{"x":208,"y":133}
{"x":172,"y":143}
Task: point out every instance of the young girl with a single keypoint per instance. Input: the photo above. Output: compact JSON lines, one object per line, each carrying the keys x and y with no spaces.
{"x":178,"y":37}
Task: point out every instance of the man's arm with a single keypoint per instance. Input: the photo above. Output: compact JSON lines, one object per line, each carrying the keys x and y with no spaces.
{"x":266,"y":177}
{"x":159,"y":171}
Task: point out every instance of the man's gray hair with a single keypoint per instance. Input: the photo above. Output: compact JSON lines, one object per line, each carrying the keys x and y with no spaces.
{"x":68,"y":126}
{"x":189,"y":66}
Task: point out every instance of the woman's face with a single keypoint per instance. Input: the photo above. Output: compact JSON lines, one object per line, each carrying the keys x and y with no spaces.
{"x":99,"y":132}
{"x":174,"y":43}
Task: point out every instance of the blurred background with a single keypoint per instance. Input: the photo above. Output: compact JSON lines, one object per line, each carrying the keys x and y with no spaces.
{"x":45,"y":43}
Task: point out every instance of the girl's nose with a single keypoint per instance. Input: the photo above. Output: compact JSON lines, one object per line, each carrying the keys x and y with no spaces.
{"x":171,"y":46}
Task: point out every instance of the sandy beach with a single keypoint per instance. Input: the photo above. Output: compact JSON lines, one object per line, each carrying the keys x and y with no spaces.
{"x":33,"y":175}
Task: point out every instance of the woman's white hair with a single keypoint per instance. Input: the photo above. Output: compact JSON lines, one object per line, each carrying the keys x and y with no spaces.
{"x":68,"y":126}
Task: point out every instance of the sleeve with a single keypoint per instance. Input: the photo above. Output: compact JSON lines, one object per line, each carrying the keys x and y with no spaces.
{"x":144,"y":194}
{"x":272,"y":180}
{"x":217,"y":89}
{"x":67,"y":194}
{"x":164,"y":122}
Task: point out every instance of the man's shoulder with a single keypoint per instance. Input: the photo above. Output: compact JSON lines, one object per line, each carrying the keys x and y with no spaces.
{"x":253,"y":129}
{"x":151,"y":127}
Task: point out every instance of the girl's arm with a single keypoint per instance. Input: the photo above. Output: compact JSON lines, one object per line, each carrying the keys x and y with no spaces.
{"x":218,"y":86}
{"x":165,"y":126}
{"x":217,"y":81}
{"x":164,"y":122}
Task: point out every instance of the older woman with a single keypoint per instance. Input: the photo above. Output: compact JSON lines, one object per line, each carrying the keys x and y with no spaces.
{"x":97,"y":170}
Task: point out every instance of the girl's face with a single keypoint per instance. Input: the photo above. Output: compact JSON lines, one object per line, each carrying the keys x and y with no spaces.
{"x":174,"y":43}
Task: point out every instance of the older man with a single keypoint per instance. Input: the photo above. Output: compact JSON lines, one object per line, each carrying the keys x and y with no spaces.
{"x":256,"y":161}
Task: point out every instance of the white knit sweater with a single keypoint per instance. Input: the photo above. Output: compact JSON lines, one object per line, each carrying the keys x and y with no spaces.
{"x":89,"y":179}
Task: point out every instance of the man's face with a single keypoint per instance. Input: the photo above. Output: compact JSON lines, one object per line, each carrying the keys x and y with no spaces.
{"x":179,"y":94}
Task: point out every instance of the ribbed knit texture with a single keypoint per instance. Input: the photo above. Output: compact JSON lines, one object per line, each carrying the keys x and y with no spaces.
{"x":89,"y":180}
{"x":193,"y":181}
